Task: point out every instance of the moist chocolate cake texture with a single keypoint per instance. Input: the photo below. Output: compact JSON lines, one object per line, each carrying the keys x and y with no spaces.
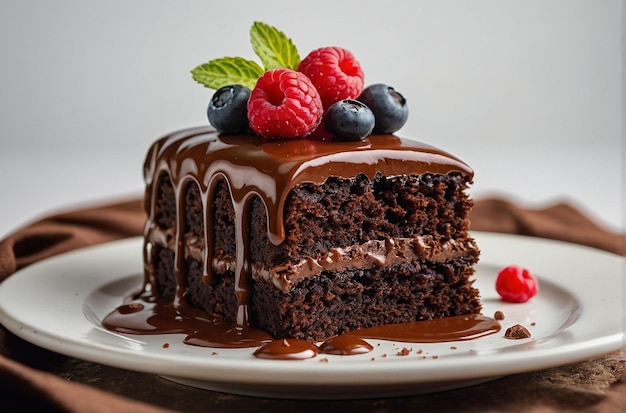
{"x":308,"y":239}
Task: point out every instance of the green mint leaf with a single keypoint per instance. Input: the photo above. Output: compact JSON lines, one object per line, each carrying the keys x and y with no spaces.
{"x":227,"y":71}
{"x":273,"y":47}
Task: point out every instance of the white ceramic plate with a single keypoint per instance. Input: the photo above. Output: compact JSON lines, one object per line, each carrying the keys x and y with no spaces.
{"x":59,"y":303}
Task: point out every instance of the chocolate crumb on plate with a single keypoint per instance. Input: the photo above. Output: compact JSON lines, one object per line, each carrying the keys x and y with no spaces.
{"x":517,"y":332}
{"x":498,"y":315}
{"x":404,"y":352}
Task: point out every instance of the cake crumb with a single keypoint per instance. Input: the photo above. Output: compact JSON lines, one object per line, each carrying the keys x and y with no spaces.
{"x":533,"y":324}
{"x":453,"y":347}
{"x":404,"y":352}
{"x":435,"y":356}
{"x":517,"y":332}
{"x":498,"y":315}
{"x":324,"y":360}
{"x":215,"y":353}
{"x":373,"y":359}
{"x":420,"y":351}
{"x":166,"y":345}
{"x":384,"y":355}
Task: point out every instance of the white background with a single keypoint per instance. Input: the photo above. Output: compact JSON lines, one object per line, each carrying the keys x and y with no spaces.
{"x":529,"y":93}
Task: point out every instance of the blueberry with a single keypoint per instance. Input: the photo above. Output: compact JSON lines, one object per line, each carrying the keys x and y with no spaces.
{"x":228,"y":109}
{"x":389,"y":107}
{"x":349,"y":120}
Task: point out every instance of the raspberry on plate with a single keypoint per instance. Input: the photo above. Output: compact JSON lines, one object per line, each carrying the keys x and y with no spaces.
{"x":516,"y":285}
{"x":284,"y":104}
{"x":335,"y":72}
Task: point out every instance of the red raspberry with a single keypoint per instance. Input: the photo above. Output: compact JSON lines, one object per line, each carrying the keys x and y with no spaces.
{"x":284,"y":104}
{"x":335,"y":72}
{"x":516,"y":285}
{"x":320,"y":134}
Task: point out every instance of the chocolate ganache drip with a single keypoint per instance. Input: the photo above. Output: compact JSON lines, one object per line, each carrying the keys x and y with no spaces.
{"x":252,"y":167}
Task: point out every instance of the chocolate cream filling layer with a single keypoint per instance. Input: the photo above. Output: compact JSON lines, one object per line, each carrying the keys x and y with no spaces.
{"x":373,"y":253}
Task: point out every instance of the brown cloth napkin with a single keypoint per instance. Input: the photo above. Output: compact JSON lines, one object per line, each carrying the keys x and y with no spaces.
{"x":34,"y":379}
{"x":68,"y":231}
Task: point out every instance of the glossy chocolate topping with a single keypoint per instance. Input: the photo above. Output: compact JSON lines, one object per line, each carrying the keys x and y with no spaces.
{"x":270,"y":170}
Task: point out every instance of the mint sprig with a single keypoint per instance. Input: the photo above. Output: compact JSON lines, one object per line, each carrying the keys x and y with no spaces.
{"x":227,"y":71}
{"x":271,"y":45}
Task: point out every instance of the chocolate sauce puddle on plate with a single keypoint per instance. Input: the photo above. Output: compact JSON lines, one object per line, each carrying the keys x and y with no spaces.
{"x":457,"y":328}
{"x":149,"y":315}
{"x":287,"y":349}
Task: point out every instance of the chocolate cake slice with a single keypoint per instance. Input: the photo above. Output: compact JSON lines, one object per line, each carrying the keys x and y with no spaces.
{"x":308,"y":239}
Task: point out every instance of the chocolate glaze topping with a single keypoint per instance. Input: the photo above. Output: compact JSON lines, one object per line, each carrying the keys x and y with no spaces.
{"x":252,"y":167}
